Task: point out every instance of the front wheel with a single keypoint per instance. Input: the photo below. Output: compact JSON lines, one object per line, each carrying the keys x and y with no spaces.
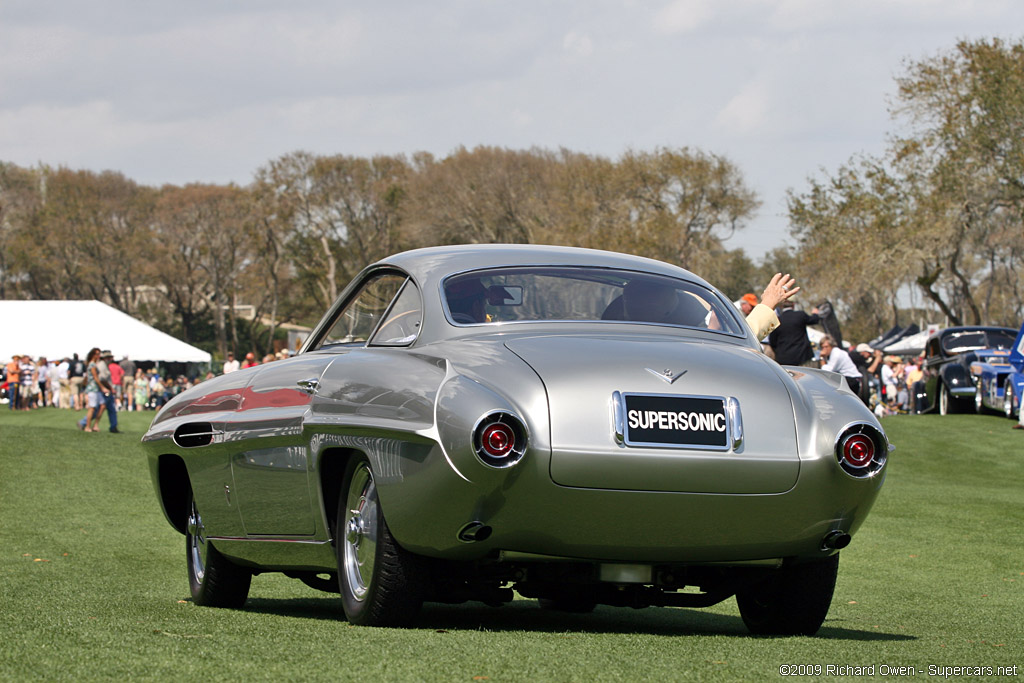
{"x":1008,"y":401}
{"x":793,"y":601}
{"x":947,"y":404}
{"x":213,"y":579}
{"x":381,"y":582}
{"x":979,"y":399}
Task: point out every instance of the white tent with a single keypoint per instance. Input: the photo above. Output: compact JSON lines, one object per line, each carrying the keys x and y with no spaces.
{"x":56,"y":329}
{"x":912,"y":345}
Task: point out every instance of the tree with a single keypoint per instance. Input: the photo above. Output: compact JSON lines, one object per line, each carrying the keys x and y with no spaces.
{"x":344,"y":213}
{"x":683,"y":203}
{"x":485,"y":196}
{"x":84,"y":237}
{"x":204,"y":250}
{"x":968,"y":108}
{"x":942,"y":210}
{"x":20,"y":196}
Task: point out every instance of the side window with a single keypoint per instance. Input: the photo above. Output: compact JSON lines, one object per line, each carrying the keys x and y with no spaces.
{"x":359,"y":318}
{"x":403,"y":321}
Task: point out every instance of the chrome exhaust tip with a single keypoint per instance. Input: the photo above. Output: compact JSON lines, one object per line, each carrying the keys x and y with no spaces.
{"x":835,"y":540}
{"x":473,"y":532}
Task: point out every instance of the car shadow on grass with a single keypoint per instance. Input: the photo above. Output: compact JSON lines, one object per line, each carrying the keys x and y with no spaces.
{"x":525,"y":615}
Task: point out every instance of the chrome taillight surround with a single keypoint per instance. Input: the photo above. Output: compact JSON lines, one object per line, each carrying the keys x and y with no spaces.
{"x":861,"y":450}
{"x":499,"y":439}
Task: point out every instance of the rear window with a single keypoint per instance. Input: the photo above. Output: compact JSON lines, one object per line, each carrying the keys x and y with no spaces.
{"x":585,"y":294}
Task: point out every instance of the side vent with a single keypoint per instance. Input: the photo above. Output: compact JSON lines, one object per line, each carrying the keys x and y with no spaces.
{"x":194,"y":434}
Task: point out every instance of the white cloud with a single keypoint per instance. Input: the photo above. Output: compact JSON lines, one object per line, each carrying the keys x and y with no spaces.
{"x":200,"y":91}
{"x":683,"y":16}
{"x":577,"y":44}
{"x":746,"y":112}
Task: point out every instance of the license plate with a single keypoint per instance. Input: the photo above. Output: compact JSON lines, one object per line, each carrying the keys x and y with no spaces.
{"x":676,"y":421}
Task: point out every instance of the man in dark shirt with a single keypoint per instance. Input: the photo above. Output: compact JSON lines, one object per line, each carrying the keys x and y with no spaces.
{"x":789,"y":340}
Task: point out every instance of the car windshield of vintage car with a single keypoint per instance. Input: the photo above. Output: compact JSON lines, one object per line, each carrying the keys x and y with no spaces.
{"x":358,"y":319}
{"x":977,"y":339}
{"x":566,"y":293}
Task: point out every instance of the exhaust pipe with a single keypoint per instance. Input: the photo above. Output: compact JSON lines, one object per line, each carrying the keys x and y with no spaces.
{"x":835,"y":540}
{"x":473,"y":532}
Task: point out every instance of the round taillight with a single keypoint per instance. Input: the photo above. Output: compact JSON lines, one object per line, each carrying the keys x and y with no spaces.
{"x":861,"y":450}
{"x":858,"y":450}
{"x":498,"y":440}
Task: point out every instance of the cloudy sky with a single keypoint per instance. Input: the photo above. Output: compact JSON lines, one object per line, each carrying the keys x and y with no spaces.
{"x":208,"y":91}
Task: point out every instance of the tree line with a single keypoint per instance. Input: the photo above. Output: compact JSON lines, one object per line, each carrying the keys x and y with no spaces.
{"x":940,"y":212}
{"x":287,"y":243}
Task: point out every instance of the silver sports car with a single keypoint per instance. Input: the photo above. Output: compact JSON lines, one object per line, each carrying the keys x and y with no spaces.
{"x":577,"y":426}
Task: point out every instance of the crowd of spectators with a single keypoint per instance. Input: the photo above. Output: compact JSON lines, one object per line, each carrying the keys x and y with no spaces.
{"x":98,"y":384}
{"x":888,"y":384}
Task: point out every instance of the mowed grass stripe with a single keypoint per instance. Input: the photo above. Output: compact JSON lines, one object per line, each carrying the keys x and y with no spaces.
{"x":94,"y":584}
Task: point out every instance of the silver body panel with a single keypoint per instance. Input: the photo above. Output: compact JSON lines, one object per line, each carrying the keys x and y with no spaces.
{"x":263,"y":483}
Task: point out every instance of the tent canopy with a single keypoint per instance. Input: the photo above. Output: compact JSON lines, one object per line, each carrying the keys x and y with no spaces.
{"x":56,"y":329}
{"x":912,"y":345}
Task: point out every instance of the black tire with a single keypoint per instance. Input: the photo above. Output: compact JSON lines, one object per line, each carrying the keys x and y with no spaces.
{"x":793,"y":602}
{"x":570,"y":605}
{"x":381,"y":583}
{"x":213,"y":579}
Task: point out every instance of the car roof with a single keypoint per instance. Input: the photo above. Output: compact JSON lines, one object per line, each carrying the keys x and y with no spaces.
{"x":972,"y":328}
{"x":434,"y":263}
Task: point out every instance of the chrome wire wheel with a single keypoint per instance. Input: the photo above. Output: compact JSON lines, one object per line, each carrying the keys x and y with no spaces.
{"x":381,"y":583}
{"x":361,"y":532}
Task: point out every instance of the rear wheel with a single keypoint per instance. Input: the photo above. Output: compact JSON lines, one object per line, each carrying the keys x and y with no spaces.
{"x":214,"y":580}
{"x":381,"y":582}
{"x":979,"y":399}
{"x":794,"y":601}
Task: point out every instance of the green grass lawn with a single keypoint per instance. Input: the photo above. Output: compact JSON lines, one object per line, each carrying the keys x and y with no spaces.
{"x":94,"y":587}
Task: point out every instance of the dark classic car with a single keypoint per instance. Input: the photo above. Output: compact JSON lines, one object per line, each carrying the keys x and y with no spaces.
{"x":950,"y":384}
{"x":581,"y":427}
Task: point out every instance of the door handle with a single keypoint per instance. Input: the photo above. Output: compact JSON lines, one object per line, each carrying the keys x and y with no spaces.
{"x":309,"y":385}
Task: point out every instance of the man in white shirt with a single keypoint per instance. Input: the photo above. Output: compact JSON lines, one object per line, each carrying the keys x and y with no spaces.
{"x":230,"y":365}
{"x":889,"y":378}
{"x":64,"y":379}
{"x":835,"y":359}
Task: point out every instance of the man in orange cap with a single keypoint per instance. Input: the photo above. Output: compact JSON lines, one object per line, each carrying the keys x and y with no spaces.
{"x":747,"y":303}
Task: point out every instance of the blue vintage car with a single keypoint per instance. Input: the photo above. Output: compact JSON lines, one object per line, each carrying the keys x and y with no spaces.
{"x":1013,"y":384}
{"x":990,"y":373}
{"x":950,"y":354}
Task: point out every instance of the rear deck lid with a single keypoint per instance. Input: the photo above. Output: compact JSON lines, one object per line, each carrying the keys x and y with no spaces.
{"x":636,"y":413}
